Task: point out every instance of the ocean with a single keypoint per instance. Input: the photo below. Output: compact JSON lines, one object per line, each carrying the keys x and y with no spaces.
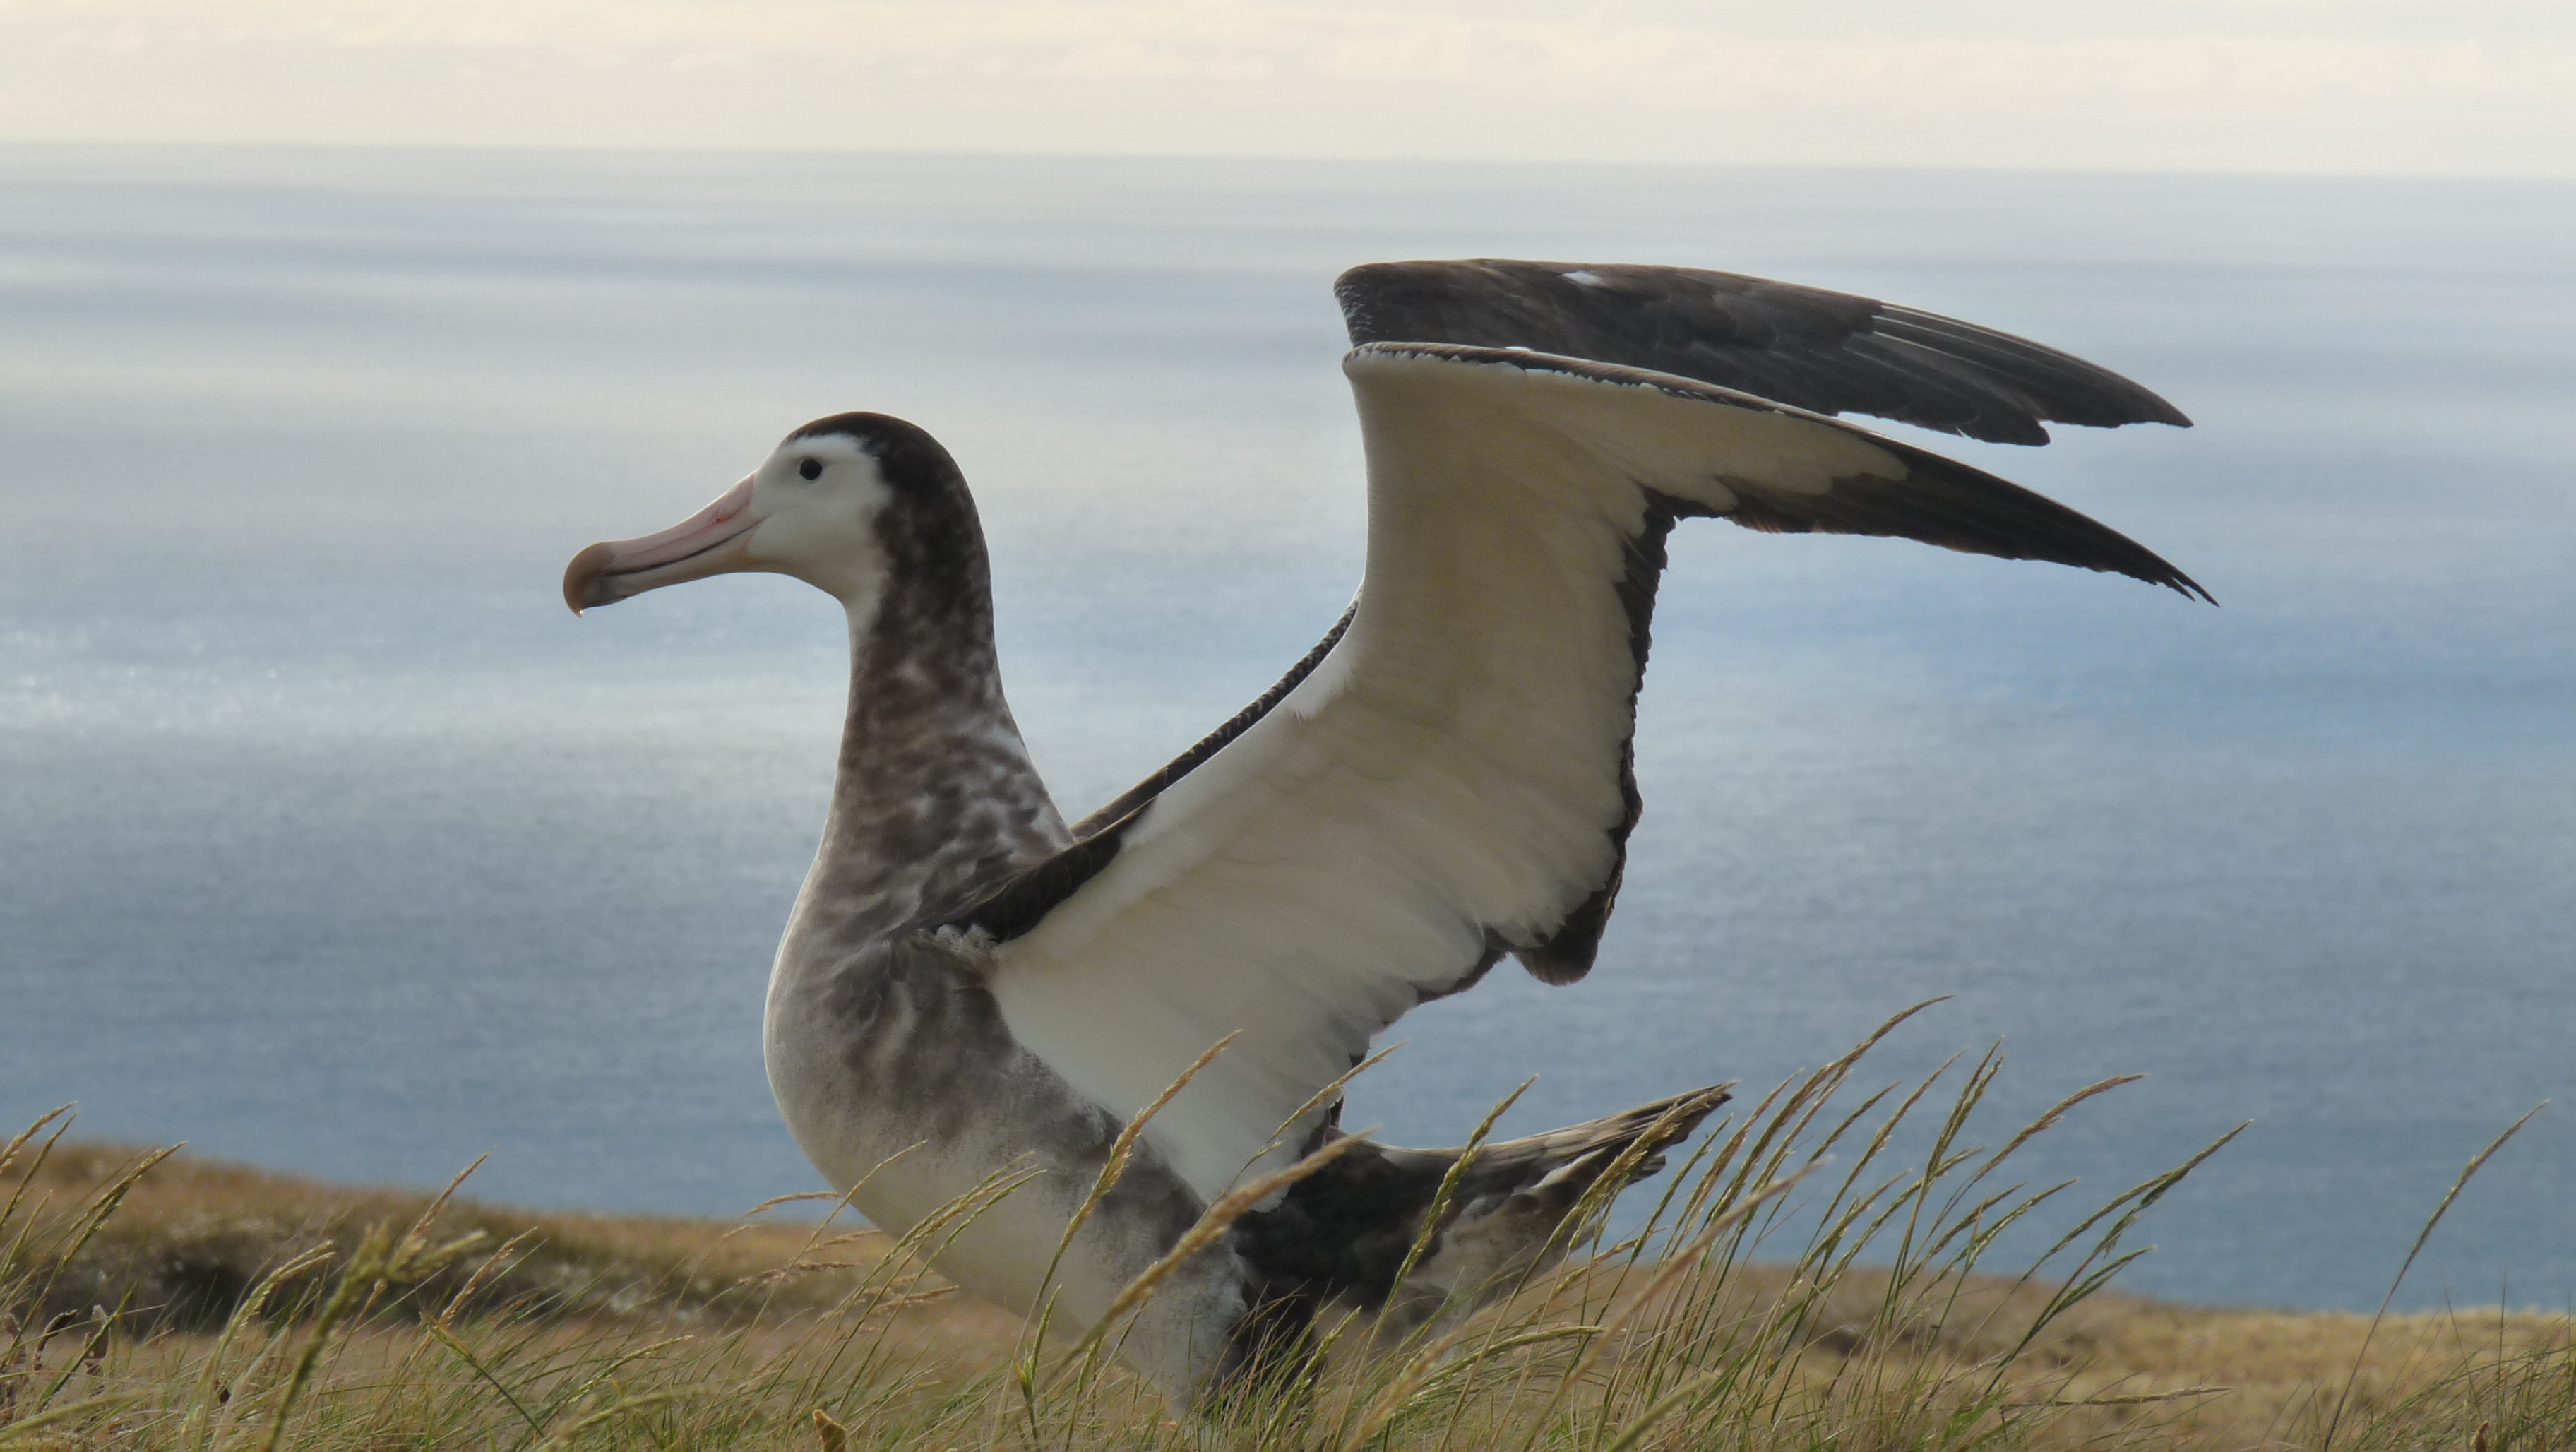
{"x":330,"y":841}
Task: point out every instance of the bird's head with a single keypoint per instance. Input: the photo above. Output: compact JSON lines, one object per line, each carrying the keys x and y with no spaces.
{"x":846,"y":504}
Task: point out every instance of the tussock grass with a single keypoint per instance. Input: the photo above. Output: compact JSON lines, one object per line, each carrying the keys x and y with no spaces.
{"x":189,"y":1238}
{"x":1814,"y":1276}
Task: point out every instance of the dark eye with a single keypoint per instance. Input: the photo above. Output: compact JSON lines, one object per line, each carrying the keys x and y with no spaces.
{"x":810,"y":468}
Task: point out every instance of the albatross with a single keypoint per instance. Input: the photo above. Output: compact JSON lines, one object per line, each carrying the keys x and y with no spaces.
{"x":969,"y":988}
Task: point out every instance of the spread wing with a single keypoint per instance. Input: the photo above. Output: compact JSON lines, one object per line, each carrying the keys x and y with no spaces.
{"x":1450,"y":781}
{"x":1827,"y":352}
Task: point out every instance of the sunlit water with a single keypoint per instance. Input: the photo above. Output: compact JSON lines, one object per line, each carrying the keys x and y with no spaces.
{"x":329,"y":841}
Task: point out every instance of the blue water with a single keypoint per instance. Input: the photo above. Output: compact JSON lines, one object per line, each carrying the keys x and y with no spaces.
{"x":329,"y":841}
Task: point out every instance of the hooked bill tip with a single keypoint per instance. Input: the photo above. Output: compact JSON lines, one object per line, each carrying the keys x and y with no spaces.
{"x":582,"y":586}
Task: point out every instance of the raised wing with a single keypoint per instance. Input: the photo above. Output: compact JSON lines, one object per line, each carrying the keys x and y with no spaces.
{"x":1826,"y":352}
{"x":1451,"y":780}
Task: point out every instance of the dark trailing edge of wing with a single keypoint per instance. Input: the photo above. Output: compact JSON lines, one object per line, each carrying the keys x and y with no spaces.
{"x":1566,"y":954}
{"x":1824,"y":352}
{"x":1022,"y":902}
{"x":1215,"y":741}
{"x":1939,"y":501}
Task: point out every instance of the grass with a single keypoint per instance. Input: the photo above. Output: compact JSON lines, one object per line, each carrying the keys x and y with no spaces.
{"x":1816,"y":1277}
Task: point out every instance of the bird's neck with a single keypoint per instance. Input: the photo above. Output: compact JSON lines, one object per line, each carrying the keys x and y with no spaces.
{"x":935,"y":798}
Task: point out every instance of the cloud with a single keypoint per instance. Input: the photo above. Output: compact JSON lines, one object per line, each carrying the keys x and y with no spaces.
{"x":1246,"y":67}
{"x":1130,"y":40}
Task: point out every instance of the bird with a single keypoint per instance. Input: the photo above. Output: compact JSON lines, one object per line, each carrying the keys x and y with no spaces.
{"x":969,"y":987}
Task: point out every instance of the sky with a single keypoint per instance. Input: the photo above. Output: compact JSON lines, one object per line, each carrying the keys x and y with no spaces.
{"x":2368,"y":87}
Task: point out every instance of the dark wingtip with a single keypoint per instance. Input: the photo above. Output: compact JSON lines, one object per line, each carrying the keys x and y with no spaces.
{"x":2142,"y":564}
{"x":2152,"y":408}
{"x":2145,"y":564}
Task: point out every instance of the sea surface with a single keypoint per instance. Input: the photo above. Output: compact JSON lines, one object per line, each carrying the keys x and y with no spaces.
{"x":330,"y":841}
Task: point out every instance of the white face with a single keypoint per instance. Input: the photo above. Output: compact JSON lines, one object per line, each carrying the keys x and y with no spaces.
{"x":810,"y":510}
{"x":817,"y":501}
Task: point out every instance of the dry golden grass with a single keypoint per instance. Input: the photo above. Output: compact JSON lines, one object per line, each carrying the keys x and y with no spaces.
{"x":1735,"y":1326}
{"x":192,"y":1236}
{"x":2193,"y":1376}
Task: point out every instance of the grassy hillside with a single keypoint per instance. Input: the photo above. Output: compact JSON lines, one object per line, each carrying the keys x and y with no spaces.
{"x":158,"y":1302}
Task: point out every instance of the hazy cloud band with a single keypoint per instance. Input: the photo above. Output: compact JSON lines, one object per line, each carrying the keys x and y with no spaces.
{"x":2209,"y":86}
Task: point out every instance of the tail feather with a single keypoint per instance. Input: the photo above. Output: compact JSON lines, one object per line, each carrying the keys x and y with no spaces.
{"x":1558,"y":1167}
{"x":1340,"y":1238}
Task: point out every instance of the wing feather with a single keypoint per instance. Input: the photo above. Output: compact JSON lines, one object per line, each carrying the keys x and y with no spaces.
{"x":1827,"y":352}
{"x":1450,"y":779}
